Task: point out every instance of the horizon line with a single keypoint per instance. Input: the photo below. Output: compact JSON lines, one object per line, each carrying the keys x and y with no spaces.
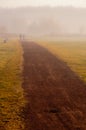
{"x":41,"y":6}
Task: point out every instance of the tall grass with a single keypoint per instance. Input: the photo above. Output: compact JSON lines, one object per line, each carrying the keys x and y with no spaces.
{"x":11,"y":93}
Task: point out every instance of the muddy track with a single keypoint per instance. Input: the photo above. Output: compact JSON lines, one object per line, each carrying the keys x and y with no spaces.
{"x":56,"y":97}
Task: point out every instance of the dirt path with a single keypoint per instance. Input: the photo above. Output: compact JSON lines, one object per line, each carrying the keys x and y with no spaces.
{"x":56,"y":96}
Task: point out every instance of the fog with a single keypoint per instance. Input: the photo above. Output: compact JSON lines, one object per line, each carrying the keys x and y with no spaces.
{"x":43,"y":21}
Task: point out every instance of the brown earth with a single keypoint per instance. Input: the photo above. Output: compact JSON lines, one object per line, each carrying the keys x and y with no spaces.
{"x":56,"y":97}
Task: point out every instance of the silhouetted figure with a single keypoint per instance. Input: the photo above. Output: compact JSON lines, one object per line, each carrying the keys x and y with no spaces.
{"x":22,"y":37}
{"x":5,"y":41}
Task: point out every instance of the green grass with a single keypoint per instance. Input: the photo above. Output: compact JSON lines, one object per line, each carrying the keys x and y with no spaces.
{"x":11,"y":93}
{"x":73,"y":53}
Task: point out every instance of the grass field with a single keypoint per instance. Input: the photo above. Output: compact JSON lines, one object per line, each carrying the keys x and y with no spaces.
{"x":73,"y":53}
{"x":11,"y":93}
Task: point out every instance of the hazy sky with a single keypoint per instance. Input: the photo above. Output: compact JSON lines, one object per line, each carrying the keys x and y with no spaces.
{"x":16,"y":3}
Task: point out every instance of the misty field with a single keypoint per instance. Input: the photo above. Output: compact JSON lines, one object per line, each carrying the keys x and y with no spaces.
{"x":11,"y":93}
{"x":72,"y":53}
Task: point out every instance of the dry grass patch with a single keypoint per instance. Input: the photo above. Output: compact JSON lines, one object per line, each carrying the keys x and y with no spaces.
{"x":11,"y":93}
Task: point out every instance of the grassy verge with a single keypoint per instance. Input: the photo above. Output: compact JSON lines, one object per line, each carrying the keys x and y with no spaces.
{"x":73,"y":53}
{"x":11,"y":93}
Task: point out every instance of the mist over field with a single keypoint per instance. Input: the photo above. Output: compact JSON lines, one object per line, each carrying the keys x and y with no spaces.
{"x":41,"y":21}
{"x":42,"y":64}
